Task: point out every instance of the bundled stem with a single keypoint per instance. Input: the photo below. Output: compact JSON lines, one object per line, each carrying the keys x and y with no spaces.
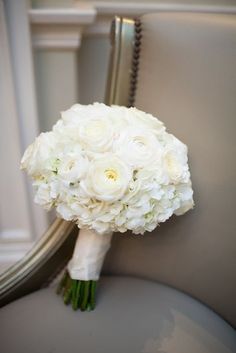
{"x":78,"y":285}
{"x":80,"y":294}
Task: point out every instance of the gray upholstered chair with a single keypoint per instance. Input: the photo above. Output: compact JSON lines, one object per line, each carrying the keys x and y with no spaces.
{"x":173,"y":290}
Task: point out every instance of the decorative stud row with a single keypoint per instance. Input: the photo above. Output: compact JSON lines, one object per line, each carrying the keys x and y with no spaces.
{"x":135,"y":62}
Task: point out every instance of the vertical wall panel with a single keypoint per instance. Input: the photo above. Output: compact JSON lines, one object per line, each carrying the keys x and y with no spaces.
{"x":14,"y":218}
{"x":24,"y":87}
{"x":57,"y":84}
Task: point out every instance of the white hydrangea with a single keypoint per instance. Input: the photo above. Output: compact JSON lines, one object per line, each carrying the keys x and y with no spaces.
{"x":110,"y":169}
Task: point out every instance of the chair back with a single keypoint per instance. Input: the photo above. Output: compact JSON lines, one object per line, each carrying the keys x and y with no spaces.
{"x":183,"y":70}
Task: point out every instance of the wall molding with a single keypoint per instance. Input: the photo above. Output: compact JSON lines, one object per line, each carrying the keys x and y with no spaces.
{"x":133,"y":8}
{"x":94,"y":19}
{"x":60,"y":28}
{"x":52,"y":37}
{"x":82,"y":14}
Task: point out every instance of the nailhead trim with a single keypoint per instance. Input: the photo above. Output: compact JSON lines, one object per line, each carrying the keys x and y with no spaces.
{"x":135,"y":62}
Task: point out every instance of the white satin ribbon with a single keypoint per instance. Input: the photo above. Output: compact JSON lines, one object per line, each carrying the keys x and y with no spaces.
{"x":89,"y":254}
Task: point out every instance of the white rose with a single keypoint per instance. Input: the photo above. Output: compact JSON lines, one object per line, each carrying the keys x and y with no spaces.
{"x":65,"y":212}
{"x":73,"y":168}
{"x":120,"y":119}
{"x":185,"y":195}
{"x":185,"y":206}
{"x":96,"y":134}
{"x":152,"y":177}
{"x":38,"y":156}
{"x":146,"y":120}
{"x":43,"y":195}
{"x":71,"y":116}
{"x":173,"y":166}
{"x":65,"y":133}
{"x":75,"y":125}
{"x":138,"y":148}
{"x":176,"y":160}
{"x":75,"y":114}
{"x":79,"y":112}
{"x":108,"y":178}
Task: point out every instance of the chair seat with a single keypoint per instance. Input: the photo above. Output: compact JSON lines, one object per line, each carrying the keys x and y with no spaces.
{"x":132,"y":316}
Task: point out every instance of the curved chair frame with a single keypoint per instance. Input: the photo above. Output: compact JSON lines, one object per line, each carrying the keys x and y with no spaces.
{"x":41,"y":264}
{"x":123,"y":66}
{"x":51,"y":253}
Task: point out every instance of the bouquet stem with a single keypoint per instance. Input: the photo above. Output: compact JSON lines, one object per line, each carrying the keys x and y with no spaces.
{"x":79,"y":282}
{"x":80,"y":294}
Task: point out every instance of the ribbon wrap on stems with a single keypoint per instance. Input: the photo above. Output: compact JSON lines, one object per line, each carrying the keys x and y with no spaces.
{"x":89,"y":253}
{"x":78,"y":285}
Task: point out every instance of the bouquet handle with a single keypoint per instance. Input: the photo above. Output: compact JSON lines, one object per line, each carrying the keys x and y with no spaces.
{"x":78,"y":285}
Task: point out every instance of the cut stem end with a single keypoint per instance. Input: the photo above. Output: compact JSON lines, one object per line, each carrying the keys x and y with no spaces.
{"x":80,"y":294}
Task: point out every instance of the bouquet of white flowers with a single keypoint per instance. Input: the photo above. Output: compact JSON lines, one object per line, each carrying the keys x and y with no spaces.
{"x":109,"y":169}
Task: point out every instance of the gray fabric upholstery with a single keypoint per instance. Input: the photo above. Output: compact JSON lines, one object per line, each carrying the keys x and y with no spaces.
{"x":187,"y":78}
{"x":132,"y":316}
